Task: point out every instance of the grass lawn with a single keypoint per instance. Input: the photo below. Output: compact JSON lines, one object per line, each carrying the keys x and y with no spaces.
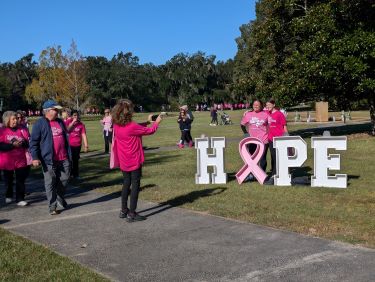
{"x":169,"y":179}
{"x":22,"y":260}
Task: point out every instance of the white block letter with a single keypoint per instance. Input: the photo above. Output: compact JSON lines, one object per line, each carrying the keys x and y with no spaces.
{"x":283,"y":161}
{"x":324,"y":162}
{"x":216,"y":159}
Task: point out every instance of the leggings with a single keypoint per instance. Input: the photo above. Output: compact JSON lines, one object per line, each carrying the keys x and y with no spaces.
{"x":185,"y":136}
{"x":21,"y":175}
{"x":76,"y":150}
{"x":133,"y":179}
{"x":263,"y":159}
{"x":273,"y":158}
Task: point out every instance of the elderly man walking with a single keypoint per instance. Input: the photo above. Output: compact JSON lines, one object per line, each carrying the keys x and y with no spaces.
{"x":49,"y":147}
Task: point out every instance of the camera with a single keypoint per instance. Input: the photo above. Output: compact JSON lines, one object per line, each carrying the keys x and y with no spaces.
{"x":154,"y":117}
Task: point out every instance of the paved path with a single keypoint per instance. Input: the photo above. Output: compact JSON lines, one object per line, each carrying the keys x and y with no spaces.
{"x":174,"y":244}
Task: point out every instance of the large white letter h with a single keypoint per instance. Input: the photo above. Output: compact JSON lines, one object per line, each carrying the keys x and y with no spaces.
{"x":216,"y":160}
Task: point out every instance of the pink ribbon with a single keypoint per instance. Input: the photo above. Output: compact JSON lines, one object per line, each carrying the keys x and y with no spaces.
{"x":251,"y":160}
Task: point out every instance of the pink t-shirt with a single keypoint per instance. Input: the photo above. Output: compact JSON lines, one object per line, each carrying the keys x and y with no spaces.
{"x":128,"y":144}
{"x":256,"y":123}
{"x":59,"y":149}
{"x":15,"y":158}
{"x":75,"y":134}
{"x":276,"y":123}
{"x":107,"y":123}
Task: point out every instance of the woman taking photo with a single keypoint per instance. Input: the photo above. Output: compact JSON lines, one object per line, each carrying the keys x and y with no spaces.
{"x":127,"y":148}
{"x":14,"y":161}
{"x":77,"y":134}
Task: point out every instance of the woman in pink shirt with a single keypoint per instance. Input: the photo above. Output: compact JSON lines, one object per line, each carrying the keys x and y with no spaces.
{"x":276,"y":127}
{"x":77,"y":134}
{"x":14,"y":161}
{"x":107,"y":129}
{"x":255,"y":124}
{"x":127,"y":146}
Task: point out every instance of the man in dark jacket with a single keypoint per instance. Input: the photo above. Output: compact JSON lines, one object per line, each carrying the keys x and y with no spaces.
{"x":49,"y":147}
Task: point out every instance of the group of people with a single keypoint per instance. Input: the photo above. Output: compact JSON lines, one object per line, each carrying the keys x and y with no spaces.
{"x":222,"y":106}
{"x":54,"y":143}
{"x":264,"y":123}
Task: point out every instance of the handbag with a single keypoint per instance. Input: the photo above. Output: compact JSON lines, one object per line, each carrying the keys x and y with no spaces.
{"x":29,"y":158}
{"x":113,"y":158}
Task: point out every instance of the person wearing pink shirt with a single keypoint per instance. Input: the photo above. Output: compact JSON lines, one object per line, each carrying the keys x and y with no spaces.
{"x":77,"y":134}
{"x":127,"y":147}
{"x":107,"y":129}
{"x":14,"y":161}
{"x":49,"y":147}
{"x":276,"y":127}
{"x":255,"y":124}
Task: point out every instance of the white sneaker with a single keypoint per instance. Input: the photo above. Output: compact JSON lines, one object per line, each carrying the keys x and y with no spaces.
{"x":22,"y":203}
{"x":8,"y":200}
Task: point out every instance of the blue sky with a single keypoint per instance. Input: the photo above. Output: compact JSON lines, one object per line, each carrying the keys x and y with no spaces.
{"x":152,"y":30}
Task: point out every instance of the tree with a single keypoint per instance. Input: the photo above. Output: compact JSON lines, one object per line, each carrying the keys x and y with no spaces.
{"x":61,"y":77}
{"x":18,"y":76}
{"x":309,"y":50}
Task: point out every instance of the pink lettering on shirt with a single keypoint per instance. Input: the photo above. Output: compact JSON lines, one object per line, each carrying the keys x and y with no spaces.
{"x":59,"y":149}
{"x":75,"y":134}
{"x":256,"y":123}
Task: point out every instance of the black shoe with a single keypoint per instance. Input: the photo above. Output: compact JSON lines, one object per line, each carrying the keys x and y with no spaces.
{"x":54,"y":212}
{"x":135,"y":217}
{"x":249,"y":178}
{"x":269,"y":181}
{"x":123,"y":214}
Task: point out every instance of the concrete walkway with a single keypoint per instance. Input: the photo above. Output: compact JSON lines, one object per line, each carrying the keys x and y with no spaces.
{"x":174,"y":244}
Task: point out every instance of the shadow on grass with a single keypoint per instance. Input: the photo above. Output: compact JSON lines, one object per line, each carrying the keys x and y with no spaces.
{"x":184,"y":199}
{"x":2,"y":221}
{"x":338,"y":130}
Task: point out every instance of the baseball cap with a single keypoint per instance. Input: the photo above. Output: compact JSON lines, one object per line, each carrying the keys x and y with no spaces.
{"x":51,"y":104}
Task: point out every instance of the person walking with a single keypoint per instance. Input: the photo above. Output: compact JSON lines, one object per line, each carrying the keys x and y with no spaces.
{"x":213,"y":112}
{"x":276,"y":127}
{"x":107,"y":129}
{"x":50,"y":148}
{"x":127,"y":149}
{"x":14,"y":161}
{"x":184,"y":122}
{"x":77,"y":134}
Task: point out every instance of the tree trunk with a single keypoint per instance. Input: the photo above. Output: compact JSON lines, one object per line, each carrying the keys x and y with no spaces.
{"x":372,"y":114}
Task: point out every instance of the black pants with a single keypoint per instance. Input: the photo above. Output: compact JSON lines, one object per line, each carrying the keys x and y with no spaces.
{"x":21,"y":175}
{"x":263,"y":159}
{"x":185,"y":136}
{"x":273,"y":159}
{"x":133,"y":179}
{"x":107,"y":140}
{"x":76,"y":151}
{"x":214,"y":120}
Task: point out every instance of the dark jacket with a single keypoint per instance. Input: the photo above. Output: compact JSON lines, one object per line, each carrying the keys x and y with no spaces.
{"x":41,"y":143}
{"x":184,"y":124}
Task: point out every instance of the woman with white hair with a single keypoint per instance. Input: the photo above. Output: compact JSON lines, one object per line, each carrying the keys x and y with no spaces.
{"x":14,"y":161}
